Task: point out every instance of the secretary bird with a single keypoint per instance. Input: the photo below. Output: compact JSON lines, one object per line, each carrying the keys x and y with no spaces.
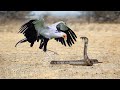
{"x":35,"y":30}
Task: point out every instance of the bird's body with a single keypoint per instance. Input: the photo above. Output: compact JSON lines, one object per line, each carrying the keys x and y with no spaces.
{"x":50,"y":33}
{"x":36,"y":30}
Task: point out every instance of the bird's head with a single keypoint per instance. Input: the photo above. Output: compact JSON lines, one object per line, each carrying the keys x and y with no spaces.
{"x":60,"y":35}
{"x":64,"y":36}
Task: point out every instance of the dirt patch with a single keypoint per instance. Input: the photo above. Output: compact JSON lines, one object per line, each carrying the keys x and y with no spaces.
{"x":26,"y":62}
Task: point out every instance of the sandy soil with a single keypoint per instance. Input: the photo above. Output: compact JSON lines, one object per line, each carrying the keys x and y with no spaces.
{"x":24,"y":62}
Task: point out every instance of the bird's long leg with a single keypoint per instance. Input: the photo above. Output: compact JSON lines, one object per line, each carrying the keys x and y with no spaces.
{"x":21,"y":41}
{"x":45,"y":48}
{"x":45,"y":42}
{"x":53,"y":51}
{"x":41,"y":44}
{"x":49,"y":56}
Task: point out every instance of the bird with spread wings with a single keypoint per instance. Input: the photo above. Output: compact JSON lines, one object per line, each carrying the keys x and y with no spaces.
{"x":35,"y":30}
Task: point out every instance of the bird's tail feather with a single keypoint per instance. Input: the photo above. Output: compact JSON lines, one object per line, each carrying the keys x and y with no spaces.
{"x":21,"y":41}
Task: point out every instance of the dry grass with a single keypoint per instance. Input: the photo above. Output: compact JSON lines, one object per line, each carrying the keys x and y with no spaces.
{"x":26,"y":62}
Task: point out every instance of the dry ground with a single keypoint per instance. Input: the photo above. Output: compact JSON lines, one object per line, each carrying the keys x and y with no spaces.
{"x":25,"y":62}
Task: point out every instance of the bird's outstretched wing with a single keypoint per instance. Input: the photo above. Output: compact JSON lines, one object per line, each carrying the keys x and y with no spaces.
{"x":29,"y":32}
{"x":71,"y":36}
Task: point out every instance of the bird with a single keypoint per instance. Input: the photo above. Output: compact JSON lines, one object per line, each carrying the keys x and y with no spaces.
{"x":35,"y":30}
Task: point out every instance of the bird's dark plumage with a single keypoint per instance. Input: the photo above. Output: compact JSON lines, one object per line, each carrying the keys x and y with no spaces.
{"x":71,"y":36}
{"x":29,"y":32}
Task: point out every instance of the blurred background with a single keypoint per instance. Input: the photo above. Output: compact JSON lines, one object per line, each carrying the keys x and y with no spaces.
{"x":68,"y":16}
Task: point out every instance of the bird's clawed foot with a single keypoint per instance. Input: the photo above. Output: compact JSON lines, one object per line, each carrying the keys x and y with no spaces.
{"x":21,"y":41}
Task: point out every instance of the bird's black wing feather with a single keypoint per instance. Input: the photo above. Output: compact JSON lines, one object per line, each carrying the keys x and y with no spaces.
{"x":29,"y":32}
{"x":71,"y":37}
{"x":61,"y":40}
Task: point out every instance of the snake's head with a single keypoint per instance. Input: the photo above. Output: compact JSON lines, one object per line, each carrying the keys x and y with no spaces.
{"x":85,"y":39}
